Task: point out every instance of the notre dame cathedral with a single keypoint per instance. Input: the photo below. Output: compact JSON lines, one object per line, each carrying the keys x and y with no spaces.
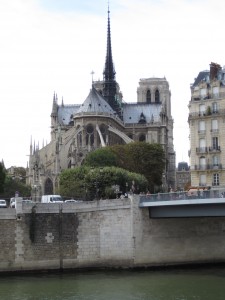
{"x":102,"y":119}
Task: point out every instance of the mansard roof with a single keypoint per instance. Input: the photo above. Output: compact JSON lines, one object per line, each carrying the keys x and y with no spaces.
{"x":95,"y":103}
{"x":133,"y":111}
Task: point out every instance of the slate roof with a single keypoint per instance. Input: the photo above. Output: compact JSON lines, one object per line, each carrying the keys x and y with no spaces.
{"x":183,"y":166}
{"x":65,"y":112}
{"x":201,"y":76}
{"x":95,"y":103}
{"x":133,"y":111}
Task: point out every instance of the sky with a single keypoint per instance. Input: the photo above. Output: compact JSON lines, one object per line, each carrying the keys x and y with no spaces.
{"x":49,"y":46}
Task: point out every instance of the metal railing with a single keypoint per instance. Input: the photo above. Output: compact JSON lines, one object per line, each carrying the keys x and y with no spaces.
{"x":208,"y":167}
{"x":171,"y":196}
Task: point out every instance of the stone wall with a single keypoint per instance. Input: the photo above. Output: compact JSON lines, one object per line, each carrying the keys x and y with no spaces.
{"x":107,"y":233}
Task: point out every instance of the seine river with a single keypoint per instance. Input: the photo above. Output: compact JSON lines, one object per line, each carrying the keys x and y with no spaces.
{"x":177,"y":284}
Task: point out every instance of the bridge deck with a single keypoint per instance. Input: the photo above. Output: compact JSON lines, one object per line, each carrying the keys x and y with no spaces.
{"x":180,"y":205}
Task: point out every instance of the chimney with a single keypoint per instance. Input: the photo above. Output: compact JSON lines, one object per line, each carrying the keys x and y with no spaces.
{"x":214,"y":68}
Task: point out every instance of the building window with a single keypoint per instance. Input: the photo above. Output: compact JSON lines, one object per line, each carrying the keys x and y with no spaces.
{"x":202,"y":145}
{"x":202,"y":109}
{"x":215,"y":144}
{"x":157,"y":99}
{"x":215,"y":160}
{"x":214,"y":125}
{"x":215,"y":92}
{"x":202,"y":163}
{"x":89,"y":135}
{"x":201,"y":127}
{"x":202,"y":180}
{"x":214,"y":108}
{"x":216,"y":179}
{"x":203,"y":93}
{"x":148,"y":96}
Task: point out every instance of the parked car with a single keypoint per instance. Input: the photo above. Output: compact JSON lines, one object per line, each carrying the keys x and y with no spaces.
{"x":51,"y":199}
{"x":3,"y":203}
{"x":27,"y":201}
{"x":71,"y":201}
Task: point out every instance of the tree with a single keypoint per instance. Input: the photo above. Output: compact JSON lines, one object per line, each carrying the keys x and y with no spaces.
{"x":89,"y":183}
{"x":16,"y":182}
{"x":2,"y":177}
{"x":101,"y":158}
{"x":13,"y":185}
{"x":144,"y":158}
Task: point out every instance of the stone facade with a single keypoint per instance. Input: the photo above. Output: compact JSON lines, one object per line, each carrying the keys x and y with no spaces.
{"x":207,"y":128}
{"x":104,"y":233}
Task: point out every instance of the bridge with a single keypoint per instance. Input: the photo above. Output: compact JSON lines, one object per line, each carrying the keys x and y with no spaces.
{"x":208,"y":203}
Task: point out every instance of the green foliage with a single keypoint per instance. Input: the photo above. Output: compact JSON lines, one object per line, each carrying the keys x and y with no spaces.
{"x":101,"y":158}
{"x":12,"y":185}
{"x":144,"y":158}
{"x":72,"y":182}
{"x":2,"y":177}
{"x":89,"y":183}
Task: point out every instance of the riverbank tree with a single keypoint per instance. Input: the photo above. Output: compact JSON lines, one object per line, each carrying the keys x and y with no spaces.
{"x":100,"y":182}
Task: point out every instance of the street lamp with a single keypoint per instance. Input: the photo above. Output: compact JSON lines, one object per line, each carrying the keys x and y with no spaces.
{"x":163,"y":182}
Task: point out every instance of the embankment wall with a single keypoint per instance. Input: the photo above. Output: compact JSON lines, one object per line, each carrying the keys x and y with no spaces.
{"x":105,"y":233}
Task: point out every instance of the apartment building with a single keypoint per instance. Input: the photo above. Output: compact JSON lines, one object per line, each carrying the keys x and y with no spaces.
{"x":207,"y":128}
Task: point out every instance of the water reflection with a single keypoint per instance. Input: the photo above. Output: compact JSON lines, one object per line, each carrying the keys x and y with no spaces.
{"x":192,"y":284}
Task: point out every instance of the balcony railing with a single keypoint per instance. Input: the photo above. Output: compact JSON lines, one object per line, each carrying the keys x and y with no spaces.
{"x":214,"y":149}
{"x":208,"y":167}
{"x":201,"y":131}
{"x":205,"y":113}
{"x":202,"y":150}
{"x":214,"y":130}
{"x":209,"y":96}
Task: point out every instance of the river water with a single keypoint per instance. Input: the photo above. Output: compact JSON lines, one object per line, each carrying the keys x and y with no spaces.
{"x":172,"y":284}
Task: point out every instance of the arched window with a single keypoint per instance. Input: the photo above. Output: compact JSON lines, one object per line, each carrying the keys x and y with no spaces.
{"x":48,"y":187}
{"x":157,"y":99}
{"x":90,"y":135}
{"x":148,"y":96}
{"x":142,"y":138}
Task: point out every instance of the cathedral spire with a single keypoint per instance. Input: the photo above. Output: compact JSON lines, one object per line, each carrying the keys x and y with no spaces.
{"x":109,"y":78}
{"x":109,"y":71}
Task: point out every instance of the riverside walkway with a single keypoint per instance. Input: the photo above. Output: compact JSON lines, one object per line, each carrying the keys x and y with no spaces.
{"x":206,"y":203}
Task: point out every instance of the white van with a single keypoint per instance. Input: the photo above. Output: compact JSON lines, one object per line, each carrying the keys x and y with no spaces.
{"x":51,"y":199}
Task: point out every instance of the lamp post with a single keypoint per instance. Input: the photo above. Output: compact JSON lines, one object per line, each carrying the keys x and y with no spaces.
{"x":163,"y":182}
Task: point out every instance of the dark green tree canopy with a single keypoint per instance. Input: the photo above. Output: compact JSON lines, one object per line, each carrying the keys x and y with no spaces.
{"x":101,"y":158}
{"x":138,"y":157}
{"x":144,"y":158}
{"x":88,"y":183}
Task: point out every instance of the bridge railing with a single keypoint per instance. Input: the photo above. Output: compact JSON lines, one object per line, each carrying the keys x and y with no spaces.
{"x":171,"y":196}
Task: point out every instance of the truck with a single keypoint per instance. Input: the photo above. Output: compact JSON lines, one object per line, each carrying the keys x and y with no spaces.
{"x":51,"y":199}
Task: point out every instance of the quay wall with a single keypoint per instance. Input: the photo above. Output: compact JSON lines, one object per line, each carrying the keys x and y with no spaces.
{"x":104,"y":233}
